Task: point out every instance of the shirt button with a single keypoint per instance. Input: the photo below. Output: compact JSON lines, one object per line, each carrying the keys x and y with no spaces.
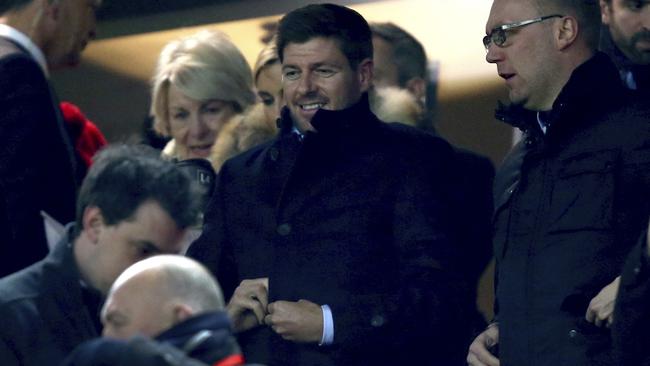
{"x":284,"y":229}
{"x":573,"y":333}
{"x":377,"y":321}
{"x":274,"y":153}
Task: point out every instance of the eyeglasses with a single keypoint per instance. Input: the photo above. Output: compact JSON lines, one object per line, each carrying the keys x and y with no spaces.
{"x":498,"y":34}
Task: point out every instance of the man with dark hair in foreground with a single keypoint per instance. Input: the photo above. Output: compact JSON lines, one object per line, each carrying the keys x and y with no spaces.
{"x":132,"y":205}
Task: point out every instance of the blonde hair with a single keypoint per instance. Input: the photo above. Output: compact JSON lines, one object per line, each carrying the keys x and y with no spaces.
{"x":203,"y":66}
{"x":268,"y":56}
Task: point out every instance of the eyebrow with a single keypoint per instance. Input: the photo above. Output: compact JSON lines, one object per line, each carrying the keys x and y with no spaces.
{"x":145,"y":244}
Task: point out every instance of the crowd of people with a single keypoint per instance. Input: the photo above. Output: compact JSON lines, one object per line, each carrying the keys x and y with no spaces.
{"x":306,"y":212}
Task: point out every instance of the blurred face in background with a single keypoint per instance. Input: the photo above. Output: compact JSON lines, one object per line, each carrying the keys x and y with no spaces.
{"x":269,"y":90}
{"x":195,"y":124}
{"x":629,"y":25}
{"x":76,"y":28}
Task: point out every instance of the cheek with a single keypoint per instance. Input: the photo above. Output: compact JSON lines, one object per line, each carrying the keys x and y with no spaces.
{"x":216,"y":122}
{"x":178,"y":130}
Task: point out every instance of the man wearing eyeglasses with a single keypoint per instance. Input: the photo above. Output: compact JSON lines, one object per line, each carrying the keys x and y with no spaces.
{"x":570,"y":198}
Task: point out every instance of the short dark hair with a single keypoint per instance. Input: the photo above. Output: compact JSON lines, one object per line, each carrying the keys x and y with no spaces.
{"x":123,"y":177}
{"x":586,"y":11}
{"x":345,"y":25}
{"x":6,"y":5}
{"x":408,"y":54}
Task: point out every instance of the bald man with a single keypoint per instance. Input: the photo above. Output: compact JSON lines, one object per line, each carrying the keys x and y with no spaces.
{"x":165,"y":306}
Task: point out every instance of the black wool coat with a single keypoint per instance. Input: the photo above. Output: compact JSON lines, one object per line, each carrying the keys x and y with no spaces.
{"x":37,"y":162}
{"x":352,"y":216}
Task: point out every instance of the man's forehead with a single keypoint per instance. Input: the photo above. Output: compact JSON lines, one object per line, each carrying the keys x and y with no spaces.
{"x":510,"y":11}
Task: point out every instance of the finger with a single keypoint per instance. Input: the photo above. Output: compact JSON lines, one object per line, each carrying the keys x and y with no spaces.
{"x":473,"y":361}
{"x":590,"y":315}
{"x":479,"y":352}
{"x":268,"y":320}
{"x":255,"y":306}
{"x":610,"y":320}
{"x":487,"y":358}
{"x":598,"y":321}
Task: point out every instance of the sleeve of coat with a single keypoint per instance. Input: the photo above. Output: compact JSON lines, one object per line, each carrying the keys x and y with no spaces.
{"x":26,"y":107}
{"x":631,"y":315}
{"x":212,"y":248}
{"x":425,"y":314}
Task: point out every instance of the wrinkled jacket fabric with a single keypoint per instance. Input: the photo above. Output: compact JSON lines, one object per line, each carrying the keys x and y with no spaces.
{"x":45,"y":313}
{"x":569,"y":205}
{"x":350,"y":217}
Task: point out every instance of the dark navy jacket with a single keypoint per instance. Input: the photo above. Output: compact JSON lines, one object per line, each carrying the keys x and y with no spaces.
{"x":569,"y":206}
{"x":44,"y":311}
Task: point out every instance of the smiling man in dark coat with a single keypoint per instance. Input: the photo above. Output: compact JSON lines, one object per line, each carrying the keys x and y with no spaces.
{"x":332,"y":241}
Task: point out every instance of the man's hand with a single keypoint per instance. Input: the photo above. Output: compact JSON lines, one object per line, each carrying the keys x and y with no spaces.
{"x":479,"y":354}
{"x":300,"y":321}
{"x":601,"y":307}
{"x":247,"y":307}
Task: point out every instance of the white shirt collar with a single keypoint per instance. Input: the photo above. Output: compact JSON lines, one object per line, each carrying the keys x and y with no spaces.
{"x":24,"y":41}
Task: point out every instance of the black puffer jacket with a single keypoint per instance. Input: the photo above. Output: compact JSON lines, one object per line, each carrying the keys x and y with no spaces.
{"x":569,"y":205}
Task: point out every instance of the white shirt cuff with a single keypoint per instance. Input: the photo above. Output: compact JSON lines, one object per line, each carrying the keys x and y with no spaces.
{"x":328,"y":326}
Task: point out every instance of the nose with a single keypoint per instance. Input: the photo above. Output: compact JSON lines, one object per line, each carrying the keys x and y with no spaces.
{"x":494,"y":53}
{"x":305,"y":84}
{"x":645,"y":17}
{"x":197,"y":128}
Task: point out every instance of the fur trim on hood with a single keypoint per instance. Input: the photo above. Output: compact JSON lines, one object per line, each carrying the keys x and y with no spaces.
{"x":393,"y":104}
{"x":242,"y":133}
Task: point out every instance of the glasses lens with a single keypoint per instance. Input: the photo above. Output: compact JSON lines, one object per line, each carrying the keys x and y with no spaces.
{"x":486,"y":41}
{"x":499,"y":37}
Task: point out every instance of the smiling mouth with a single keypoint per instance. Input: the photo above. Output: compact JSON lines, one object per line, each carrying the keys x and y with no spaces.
{"x":311,"y":106}
{"x":200,"y":148}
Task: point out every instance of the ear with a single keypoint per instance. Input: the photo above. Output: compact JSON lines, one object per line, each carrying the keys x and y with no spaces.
{"x":418,"y":87}
{"x":566,"y":32}
{"x":365,"y":72}
{"x":605,"y":11}
{"x":93,"y":222}
{"x":182,"y":312}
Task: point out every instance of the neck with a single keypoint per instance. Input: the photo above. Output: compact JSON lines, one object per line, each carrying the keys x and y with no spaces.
{"x":81,"y":247}
{"x":27,"y":20}
{"x":568,"y":64}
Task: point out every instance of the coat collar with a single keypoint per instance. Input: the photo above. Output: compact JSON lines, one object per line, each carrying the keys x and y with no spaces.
{"x":592,"y":88}
{"x":353,"y":120}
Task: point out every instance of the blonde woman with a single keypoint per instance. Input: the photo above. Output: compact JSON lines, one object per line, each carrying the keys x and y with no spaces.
{"x":202,"y":83}
{"x":258,"y":125}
